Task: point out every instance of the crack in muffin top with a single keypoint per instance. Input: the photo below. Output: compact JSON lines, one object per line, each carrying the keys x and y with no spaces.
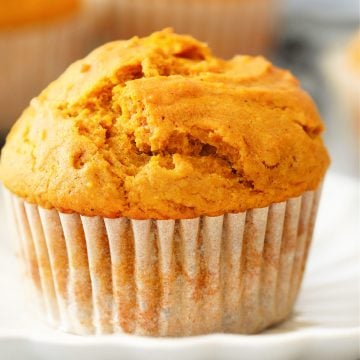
{"x":159,"y":128}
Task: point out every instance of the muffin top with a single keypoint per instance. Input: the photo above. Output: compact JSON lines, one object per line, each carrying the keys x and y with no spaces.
{"x":159,"y":128}
{"x":21,"y":12}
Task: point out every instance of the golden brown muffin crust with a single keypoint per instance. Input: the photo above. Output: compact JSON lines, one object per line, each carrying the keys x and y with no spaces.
{"x":159,"y":128}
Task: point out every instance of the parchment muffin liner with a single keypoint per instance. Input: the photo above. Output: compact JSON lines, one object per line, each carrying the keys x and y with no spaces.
{"x":236,"y":273}
{"x":230,"y":27}
{"x":33,"y":55}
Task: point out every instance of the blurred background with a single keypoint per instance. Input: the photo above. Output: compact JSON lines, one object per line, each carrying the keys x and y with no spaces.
{"x":315,"y":39}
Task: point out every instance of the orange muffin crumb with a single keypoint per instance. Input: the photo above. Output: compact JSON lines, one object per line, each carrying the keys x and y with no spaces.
{"x":159,"y":128}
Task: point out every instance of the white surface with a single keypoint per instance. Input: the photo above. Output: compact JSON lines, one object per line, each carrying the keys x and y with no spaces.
{"x":325,"y":324}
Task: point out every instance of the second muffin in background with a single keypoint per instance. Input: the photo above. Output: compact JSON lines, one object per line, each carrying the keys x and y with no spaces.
{"x":230,"y":27}
{"x":38,"y":39}
{"x":161,"y":191}
{"x":342,"y":69}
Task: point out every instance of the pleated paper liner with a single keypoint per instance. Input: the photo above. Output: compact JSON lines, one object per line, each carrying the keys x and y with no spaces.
{"x":237,"y":273}
{"x":229,"y":27}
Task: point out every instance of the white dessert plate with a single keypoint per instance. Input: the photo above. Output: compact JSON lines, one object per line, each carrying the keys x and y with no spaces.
{"x":325,"y":323}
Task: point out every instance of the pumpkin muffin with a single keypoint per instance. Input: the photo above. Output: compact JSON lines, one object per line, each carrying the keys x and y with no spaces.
{"x":38,"y":40}
{"x":159,"y":190}
{"x":230,"y":27}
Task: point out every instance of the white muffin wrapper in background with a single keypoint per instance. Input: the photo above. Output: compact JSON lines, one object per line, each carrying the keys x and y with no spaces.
{"x":229,"y":27}
{"x":34,"y":55}
{"x":232,"y":273}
